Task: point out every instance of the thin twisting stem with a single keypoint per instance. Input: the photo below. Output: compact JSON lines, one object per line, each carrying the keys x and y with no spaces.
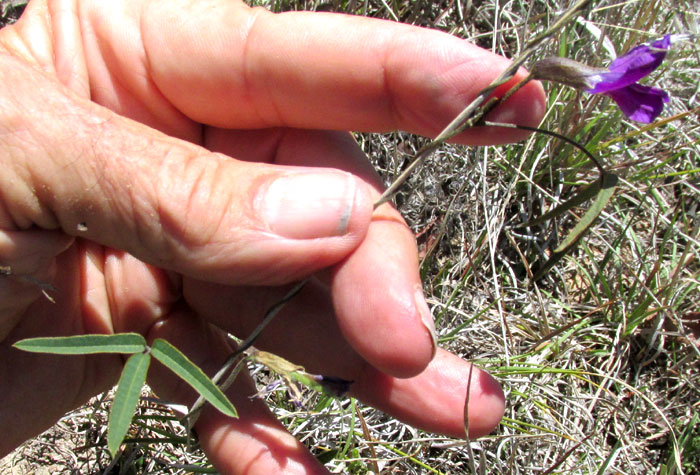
{"x":566,"y":139}
{"x":271,"y":313}
{"x":476,"y":110}
{"x":490,"y":105}
{"x":235,"y":360}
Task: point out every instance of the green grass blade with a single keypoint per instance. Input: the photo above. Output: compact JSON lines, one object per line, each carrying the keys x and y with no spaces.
{"x":581,"y":197}
{"x":126,"y":398}
{"x":84,"y":344}
{"x":192,"y":375}
{"x":606,"y":192}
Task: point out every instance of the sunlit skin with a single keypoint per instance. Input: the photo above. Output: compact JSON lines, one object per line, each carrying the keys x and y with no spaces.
{"x":137,"y":141}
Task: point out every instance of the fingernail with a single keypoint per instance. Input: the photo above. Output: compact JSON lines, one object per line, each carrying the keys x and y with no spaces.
{"x":308,"y":205}
{"x":425,"y":317}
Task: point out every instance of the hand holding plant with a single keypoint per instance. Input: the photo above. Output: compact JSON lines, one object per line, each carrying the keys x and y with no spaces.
{"x":218,"y":232}
{"x":123,"y":200}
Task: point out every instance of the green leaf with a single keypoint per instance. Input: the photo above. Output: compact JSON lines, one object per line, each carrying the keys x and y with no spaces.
{"x":606,"y":192}
{"x":85,"y":344}
{"x":126,"y":398}
{"x":582,"y":196}
{"x":192,"y":375}
{"x":607,"y":189}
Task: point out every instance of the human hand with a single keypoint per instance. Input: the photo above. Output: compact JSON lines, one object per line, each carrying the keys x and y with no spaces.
{"x":86,"y":88}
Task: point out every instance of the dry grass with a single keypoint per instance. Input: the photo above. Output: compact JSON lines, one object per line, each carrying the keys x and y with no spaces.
{"x":599,"y":360}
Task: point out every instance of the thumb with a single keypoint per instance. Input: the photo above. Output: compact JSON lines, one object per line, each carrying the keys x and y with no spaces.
{"x":73,"y":165}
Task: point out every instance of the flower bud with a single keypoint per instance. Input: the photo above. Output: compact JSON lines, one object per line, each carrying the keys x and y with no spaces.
{"x":567,"y":71}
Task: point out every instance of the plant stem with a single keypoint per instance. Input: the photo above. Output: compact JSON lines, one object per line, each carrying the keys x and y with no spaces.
{"x":235,"y":359}
{"x":481,"y":104}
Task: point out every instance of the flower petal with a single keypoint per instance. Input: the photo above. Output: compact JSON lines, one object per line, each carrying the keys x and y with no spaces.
{"x":640,"y":103}
{"x":633,"y":66}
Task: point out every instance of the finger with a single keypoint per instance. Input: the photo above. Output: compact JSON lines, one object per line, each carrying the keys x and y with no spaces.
{"x":377,"y":292}
{"x":384,"y":315}
{"x":440,"y":391}
{"x":138,"y":294}
{"x":255,"y":442}
{"x":38,"y":388}
{"x":305,"y":332}
{"x":76,"y":166}
{"x":254,"y":69}
{"x":27,"y":267}
{"x":304,"y":325}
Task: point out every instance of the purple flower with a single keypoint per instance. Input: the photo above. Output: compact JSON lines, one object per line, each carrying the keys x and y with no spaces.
{"x":618,"y":81}
{"x":640,"y":103}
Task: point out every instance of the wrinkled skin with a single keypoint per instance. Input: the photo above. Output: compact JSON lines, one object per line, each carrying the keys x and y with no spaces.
{"x":163,"y":164}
